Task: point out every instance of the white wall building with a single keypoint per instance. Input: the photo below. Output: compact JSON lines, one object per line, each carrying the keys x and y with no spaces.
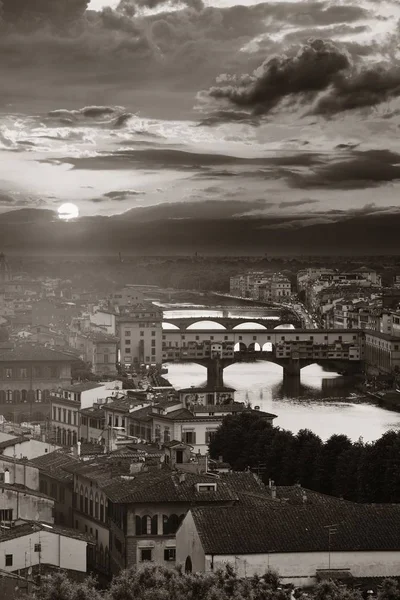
{"x":31,"y":544}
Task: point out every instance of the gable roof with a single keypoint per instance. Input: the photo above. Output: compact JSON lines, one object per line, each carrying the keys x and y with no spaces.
{"x":53,"y":464}
{"x":273,"y":527}
{"x":14,"y":441}
{"x":28,"y":352}
{"x":29,"y":527}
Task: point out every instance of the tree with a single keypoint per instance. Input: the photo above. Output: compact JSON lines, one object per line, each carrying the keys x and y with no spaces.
{"x":326,"y":466}
{"x":60,"y":587}
{"x":307,"y":449}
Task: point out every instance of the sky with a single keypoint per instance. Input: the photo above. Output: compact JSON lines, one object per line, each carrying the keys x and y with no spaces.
{"x":200,"y":125}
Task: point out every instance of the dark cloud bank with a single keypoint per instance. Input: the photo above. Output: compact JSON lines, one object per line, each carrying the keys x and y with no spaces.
{"x":174,"y":229}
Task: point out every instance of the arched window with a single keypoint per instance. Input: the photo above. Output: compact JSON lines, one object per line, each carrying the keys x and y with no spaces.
{"x":101,"y":509}
{"x":24,"y":396}
{"x":173,"y":523}
{"x":86,"y":501}
{"x":188,"y":565}
{"x":2,"y":397}
{"x":16,"y":396}
{"x":64,"y":437}
{"x":74,"y":438}
{"x":9,"y":396}
{"x":31,"y":396}
{"x":46,"y":394}
{"x":157,"y":433}
{"x":81,"y":499}
{"x":91,"y":503}
{"x":96,"y":506}
{"x":149,"y":525}
{"x":181,"y":517}
{"x":165,"y":524}
{"x":167,"y":435}
{"x":39,"y":396}
{"x":138,"y":525}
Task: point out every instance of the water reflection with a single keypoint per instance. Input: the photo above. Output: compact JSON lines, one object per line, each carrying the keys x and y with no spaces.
{"x":323,"y":402}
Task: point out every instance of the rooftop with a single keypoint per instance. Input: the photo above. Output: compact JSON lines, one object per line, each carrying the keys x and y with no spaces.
{"x":30,"y":352}
{"x":29,"y":527}
{"x":280,"y":527}
{"x":53,"y":465}
{"x":83,"y":386}
{"x":14,"y":441}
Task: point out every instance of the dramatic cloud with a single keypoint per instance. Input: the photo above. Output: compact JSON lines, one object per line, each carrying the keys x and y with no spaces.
{"x":38,"y":11}
{"x":320,"y":73}
{"x":360,"y":170}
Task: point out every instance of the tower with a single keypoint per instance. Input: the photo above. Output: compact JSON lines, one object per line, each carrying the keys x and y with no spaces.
{"x":5,"y":271}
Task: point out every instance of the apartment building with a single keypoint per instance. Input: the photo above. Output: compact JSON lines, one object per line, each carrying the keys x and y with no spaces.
{"x":140,"y":336}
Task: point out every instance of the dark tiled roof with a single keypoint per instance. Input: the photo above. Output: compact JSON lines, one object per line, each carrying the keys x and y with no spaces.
{"x":181,"y":413}
{"x":89,"y":449}
{"x":53,"y":465}
{"x":163,"y":485}
{"x":13,"y":441}
{"x":281,"y":527}
{"x":28,"y":352}
{"x":93,"y":412}
{"x":295,"y":494}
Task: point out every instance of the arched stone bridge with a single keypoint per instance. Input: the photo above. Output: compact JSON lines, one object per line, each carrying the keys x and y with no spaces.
{"x":231,"y":323}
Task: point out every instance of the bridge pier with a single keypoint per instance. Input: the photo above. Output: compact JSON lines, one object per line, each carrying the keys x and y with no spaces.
{"x":215,"y":373}
{"x":292,"y":368}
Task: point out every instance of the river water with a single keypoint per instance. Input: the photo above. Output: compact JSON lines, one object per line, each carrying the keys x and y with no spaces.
{"x":325,"y":402}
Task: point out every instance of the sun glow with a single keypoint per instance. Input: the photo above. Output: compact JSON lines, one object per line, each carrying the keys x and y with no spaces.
{"x":68,"y":211}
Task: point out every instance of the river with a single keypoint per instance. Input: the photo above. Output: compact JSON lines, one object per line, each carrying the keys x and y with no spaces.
{"x":325,"y":402}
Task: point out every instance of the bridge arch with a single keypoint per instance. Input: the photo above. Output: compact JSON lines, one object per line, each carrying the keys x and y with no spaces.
{"x":267,"y":347}
{"x":205,"y":324}
{"x":285,"y":326}
{"x":249,"y":325}
{"x":240,"y":347}
{"x":167,"y":325}
{"x":254,"y":347}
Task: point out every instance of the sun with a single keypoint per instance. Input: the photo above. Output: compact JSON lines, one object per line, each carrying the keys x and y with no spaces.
{"x":68,"y":211}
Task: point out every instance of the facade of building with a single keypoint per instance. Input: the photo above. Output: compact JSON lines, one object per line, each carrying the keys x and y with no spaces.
{"x":66,"y":404}
{"x":57,"y":482}
{"x":36,"y":544}
{"x":25,"y":447}
{"x":264,"y":286}
{"x":17,"y":502}
{"x":140,"y":335}
{"x":127,"y":296}
{"x":27,"y":375}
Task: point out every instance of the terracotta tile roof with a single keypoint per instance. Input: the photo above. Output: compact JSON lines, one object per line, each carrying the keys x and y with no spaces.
{"x":295,"y":494}
{"x":13,"y":441}
{"x":163,"y":485}
{"x":281,"y":527}
{"x":53,"y":465}
{"x":28,"y":352}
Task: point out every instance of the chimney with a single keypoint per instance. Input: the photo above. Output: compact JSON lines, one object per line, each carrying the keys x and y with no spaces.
{"x":273,"y":491}
{"x":182,"y":477}
{"x":220,"y":459}
{"x":78,"y":449}
{"x":135,"y":467}
{"x":304,"y":496}
{"x":7,"y":476}
{"x":271,"y":483}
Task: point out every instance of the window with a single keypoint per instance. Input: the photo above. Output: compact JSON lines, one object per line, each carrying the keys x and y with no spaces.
{"x":142,"y":334}
{"x":54,"y":413}
{"x":9,"y":376}
{"x":206,"y":487}
{"x":84,"y":421}
{"x":145,"y":554}
{"x":64,"y":415}
{"x":24,"y":373}
{"x":189,"y":437}
{"x":106,"y":358}
{"x":197,"y":337}
{"x":9,"y":396}
{"x":6,"y":515}
{"x":127,"y":350}
{"x":38,"y":548}
{"x":153,"y":333}
{"x":128,"y":332}
{"x":37,"y":372}
{"x":153,"y":343}
{"x":170,"y":554}
{"x":9,"y":560}
{"x":147,"y":525}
